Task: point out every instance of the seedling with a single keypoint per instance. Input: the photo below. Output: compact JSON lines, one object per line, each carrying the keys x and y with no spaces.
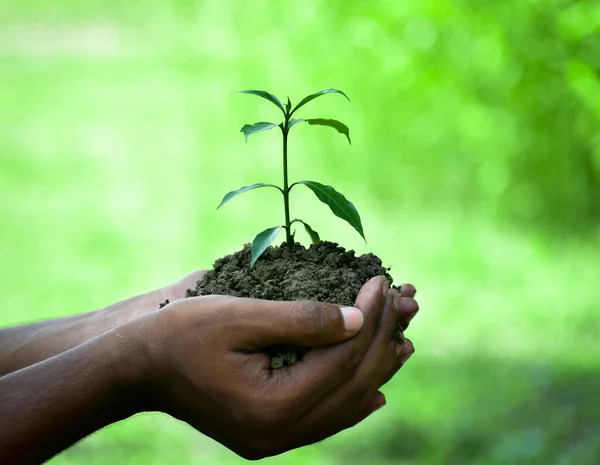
{"x":339,"y":205}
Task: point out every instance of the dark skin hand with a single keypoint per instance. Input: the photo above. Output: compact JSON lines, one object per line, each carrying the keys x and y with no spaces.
{"x":201,"y":360}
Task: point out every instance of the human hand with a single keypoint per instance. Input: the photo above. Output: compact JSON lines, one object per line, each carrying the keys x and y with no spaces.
{"x":149,"y":302}
{"x":202,"y":361}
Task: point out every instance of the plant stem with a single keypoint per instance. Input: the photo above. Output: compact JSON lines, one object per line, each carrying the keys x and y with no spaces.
{"x":286,"y":189}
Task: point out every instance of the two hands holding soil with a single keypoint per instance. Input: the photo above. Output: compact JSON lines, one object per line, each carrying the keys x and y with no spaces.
{"x":203,"y":361}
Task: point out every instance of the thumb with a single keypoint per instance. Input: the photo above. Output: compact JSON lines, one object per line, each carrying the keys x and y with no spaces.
{"x":305,"y":323}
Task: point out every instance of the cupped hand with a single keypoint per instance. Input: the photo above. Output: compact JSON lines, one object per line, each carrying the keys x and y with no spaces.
{"x":204,"y":363}
{"x":150,"y":301}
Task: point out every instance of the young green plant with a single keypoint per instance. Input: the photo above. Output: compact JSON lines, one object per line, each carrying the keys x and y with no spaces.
{"x":339,"y":205}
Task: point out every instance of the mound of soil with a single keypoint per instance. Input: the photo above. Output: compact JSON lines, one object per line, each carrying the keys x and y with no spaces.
{"x":324,"y":272}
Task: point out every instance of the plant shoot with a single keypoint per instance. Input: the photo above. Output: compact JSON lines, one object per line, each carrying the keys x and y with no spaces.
{"x":339,"y":205}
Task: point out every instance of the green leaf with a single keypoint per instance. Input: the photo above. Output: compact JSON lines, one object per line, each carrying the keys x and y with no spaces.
{"x":340,"y":206}
{"x":307,"y":99}
{"x":249,"y":129}
{"x":288,"y":105}
{"x":332,"y":123}
{"x":266,"y":95}
{"x":314,"y":235}
{"x":241,"y":190}
{"x":262,"y":241}
{"x":293,"y":122}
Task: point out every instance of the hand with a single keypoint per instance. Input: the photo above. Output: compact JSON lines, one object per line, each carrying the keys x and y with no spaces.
{"x":205,"y":365}
{"x":148,"y":303}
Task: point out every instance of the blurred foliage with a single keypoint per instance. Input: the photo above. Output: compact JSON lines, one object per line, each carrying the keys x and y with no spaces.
{"x":475,"y":164}
{"x":498,"y":104}
{"x":494,"y":106}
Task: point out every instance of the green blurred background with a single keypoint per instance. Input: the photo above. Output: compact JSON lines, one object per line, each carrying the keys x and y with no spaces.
{"x":475,"y":165}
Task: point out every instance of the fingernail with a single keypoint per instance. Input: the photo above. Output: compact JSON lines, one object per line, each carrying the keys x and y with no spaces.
{"x":353,"y":318}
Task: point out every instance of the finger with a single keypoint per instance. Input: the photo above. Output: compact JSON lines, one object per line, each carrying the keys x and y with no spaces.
{"x":331,"y":372}
{"x":177,"y":290}
{"x":189,"y":281}
{"x":377,"y":403}
{"x":383,"y":350}
{"x":408,"y":349}
{"x":338,"y":420}
{"x":374,"y":369}
{"x":307,"y":323}
{"x":407,"y":290}
{"x":154,"y":300}
{"x":407,"y":308}
{"x":324,"y":369}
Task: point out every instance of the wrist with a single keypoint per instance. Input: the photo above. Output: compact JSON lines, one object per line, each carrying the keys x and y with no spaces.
{"x":130,"y":350}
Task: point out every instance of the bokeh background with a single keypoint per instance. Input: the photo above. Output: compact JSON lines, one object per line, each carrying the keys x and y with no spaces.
{"x":475,"y":165}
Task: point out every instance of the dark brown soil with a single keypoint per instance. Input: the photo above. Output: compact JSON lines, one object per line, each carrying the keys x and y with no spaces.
{"x":325,"y":272}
